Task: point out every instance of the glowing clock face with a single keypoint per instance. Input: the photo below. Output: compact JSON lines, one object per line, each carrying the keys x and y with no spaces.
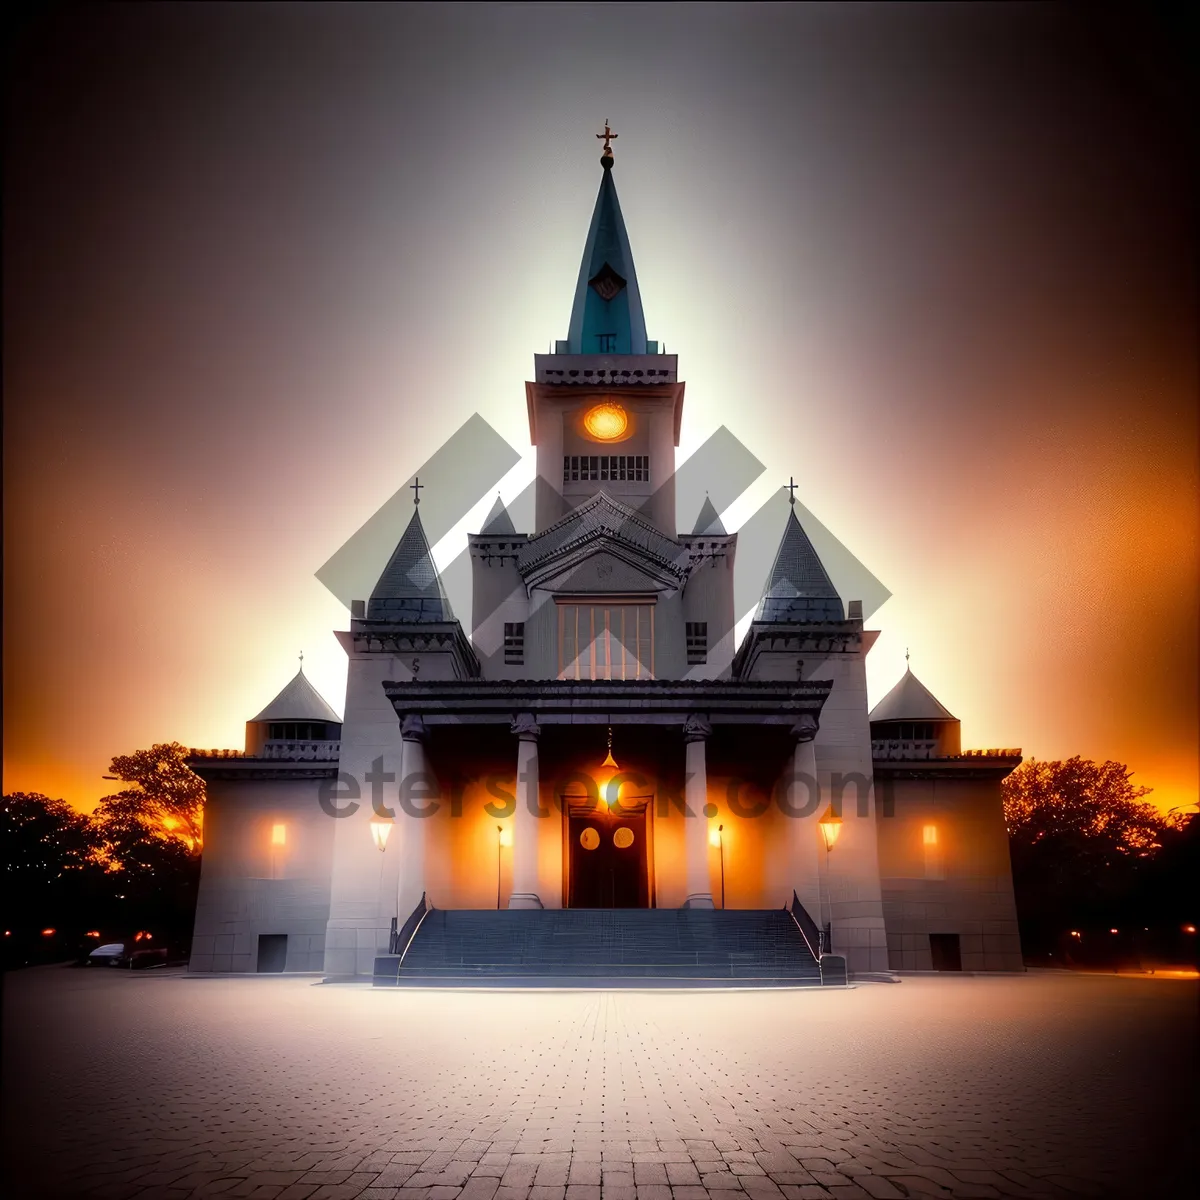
{"x":606,"y":422}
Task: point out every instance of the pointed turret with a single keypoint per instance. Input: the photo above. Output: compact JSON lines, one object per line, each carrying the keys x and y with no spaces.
{"x":910,"y":700}
{"x":708,"y":523}
{"x":299,"y":701}
{"x":607,"y":317}
{"x":798,"y":588}
{"x":498,"y":521}
{"x":410,"y":588}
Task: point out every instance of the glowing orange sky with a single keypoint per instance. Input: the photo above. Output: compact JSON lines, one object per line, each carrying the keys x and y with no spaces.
{"x":933,"y":266}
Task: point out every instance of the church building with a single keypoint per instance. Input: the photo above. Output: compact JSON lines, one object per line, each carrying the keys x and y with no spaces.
{"x":597,"y":778}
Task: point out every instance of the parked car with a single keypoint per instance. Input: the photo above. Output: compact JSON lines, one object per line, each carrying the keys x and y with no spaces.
{"x":135,"y":953}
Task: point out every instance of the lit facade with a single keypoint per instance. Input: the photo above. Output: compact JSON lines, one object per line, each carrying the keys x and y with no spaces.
{"x":597,"y":739}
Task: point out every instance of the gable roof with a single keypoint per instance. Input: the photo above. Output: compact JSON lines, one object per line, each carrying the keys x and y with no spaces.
{"x":299,"y":701}
{"x":602,"y":517}
{"x":910,"y":700}
{"x":798,"y":588}
{"x":410,"y":588}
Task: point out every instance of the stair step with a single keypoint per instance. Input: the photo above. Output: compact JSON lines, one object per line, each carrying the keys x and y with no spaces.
{"x":617,"y":943}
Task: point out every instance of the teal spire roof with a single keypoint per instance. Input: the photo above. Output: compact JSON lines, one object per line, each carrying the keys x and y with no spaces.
{"x":799,"y":588}
{"x":606,"y":317}
{"x":410,"y":588}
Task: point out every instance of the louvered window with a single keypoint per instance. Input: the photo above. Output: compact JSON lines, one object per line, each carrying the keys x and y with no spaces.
{"x":514,"y":642}
{"x":606,"y":468}
{"x":697,"y":641}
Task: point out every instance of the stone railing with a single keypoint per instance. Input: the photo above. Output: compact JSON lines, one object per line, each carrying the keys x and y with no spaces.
{"x":300,"y":751}
{"x":906,"y":748}
{"x":992,"y":753}
{"x":195,"y":753}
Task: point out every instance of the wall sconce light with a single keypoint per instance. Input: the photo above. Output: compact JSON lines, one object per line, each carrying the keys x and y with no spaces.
{"x":930,"y":834}
{"x":831,"y":827}
{"x":379,"y":833}
{"x":278,"y":835}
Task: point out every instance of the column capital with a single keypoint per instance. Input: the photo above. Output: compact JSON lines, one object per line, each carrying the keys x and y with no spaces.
{"x":696,"y":728}
{"x":805,"y":728}
{"x":526,"y":728}
{"x":412,"y":728}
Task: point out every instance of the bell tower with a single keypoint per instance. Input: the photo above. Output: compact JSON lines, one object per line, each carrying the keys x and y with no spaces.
{"x":605,"y":407}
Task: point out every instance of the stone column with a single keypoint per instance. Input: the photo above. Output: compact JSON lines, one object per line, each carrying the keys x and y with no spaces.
{"x":417,"y":794}
{"x":695,"y":835}
{"x":526,"y":826}
{"x":803,"y":815}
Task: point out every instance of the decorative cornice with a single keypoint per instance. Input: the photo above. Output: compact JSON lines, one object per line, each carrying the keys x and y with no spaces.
{"x":612,"y":702}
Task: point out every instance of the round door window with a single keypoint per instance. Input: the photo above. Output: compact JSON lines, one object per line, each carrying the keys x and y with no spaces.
{"x":623,"y":838}
{"x":589,"y":839}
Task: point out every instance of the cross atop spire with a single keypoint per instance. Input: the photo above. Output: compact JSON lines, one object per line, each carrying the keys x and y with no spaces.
{"x":302,"y":660}
{"x":416,"y":486}
{"x":791,"y":487}
{"x":606,"y":159}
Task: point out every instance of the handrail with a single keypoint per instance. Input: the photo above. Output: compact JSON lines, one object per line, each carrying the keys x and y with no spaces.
{"x":401,"y":941}
{"x":807,"y":926}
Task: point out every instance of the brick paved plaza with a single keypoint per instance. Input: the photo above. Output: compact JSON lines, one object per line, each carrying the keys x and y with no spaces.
{"x":161,"y":1084}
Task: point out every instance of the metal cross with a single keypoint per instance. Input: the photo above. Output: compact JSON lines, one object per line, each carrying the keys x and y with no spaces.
{"x":302,"y":660}
{"x":906,"y":656}
{"x":791,"y":487}
{"x":416,"y":486}
{"x":607,"y":135}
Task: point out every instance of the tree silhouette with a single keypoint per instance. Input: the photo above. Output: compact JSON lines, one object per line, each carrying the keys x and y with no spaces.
{"x":1083,"y":841}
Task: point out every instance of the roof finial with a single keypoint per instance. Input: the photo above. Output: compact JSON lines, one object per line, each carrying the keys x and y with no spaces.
{"x":301,"y":660}
{"x":906,"y":666}
{"x":791,"y":487}
{"x":416,"y":486}
{"x":606,"y":159}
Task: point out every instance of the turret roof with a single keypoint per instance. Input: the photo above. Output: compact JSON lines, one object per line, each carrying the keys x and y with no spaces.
{"x":410,"y":588}
{"x":798,"y":588}
{"x":910,"y":700}
{"x":299,"y":701}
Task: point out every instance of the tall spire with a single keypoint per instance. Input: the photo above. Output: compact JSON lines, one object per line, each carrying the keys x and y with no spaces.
{"x":607,"y":317}
{"x":410,"y":588}
{"x":799,"y":587}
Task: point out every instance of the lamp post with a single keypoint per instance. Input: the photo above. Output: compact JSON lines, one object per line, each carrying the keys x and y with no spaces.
{"x":503,"y":838}
{"x":831,"y":826}
{"x":380,"y":829}
{"x":717,"y":838}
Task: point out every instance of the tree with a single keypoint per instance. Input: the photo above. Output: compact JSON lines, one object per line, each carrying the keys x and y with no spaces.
{"x":49,"y":871}
{"x":150,"y":838}
{"x":1082,"y":840}
{"x":167,"y":801}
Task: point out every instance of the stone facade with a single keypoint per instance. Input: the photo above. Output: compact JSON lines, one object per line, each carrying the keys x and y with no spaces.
{"x":467,"y":761}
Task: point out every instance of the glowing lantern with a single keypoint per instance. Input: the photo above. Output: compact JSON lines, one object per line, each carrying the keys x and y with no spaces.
{"x":506,"y":837}
{"x":831,"y":826}
{"x":930,"y":834}
{"x":92,"y":933}
{"x":379,"y":833}
{"x":278,"y":835}
{"x":49,"y":932}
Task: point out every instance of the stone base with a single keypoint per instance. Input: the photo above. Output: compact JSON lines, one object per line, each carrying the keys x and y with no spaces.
{"x":525,"y":900}
{"x":700,"y":900}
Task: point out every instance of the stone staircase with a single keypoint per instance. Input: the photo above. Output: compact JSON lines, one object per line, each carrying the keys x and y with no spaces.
{"x":602,"y":948}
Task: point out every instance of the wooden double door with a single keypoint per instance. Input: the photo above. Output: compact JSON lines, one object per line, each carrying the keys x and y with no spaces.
{"x":609,"y":856}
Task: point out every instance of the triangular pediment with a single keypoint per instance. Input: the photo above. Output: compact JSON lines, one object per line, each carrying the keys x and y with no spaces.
{"x":603,"y":540}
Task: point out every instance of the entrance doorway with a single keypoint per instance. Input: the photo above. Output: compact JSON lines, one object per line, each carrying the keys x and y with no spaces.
{"x":272,"y":951}
{"x":608,"y":859}
{"x":945,"y":951}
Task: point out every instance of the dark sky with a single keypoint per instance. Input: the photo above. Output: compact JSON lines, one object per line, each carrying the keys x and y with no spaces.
{"x":936,"y":262}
